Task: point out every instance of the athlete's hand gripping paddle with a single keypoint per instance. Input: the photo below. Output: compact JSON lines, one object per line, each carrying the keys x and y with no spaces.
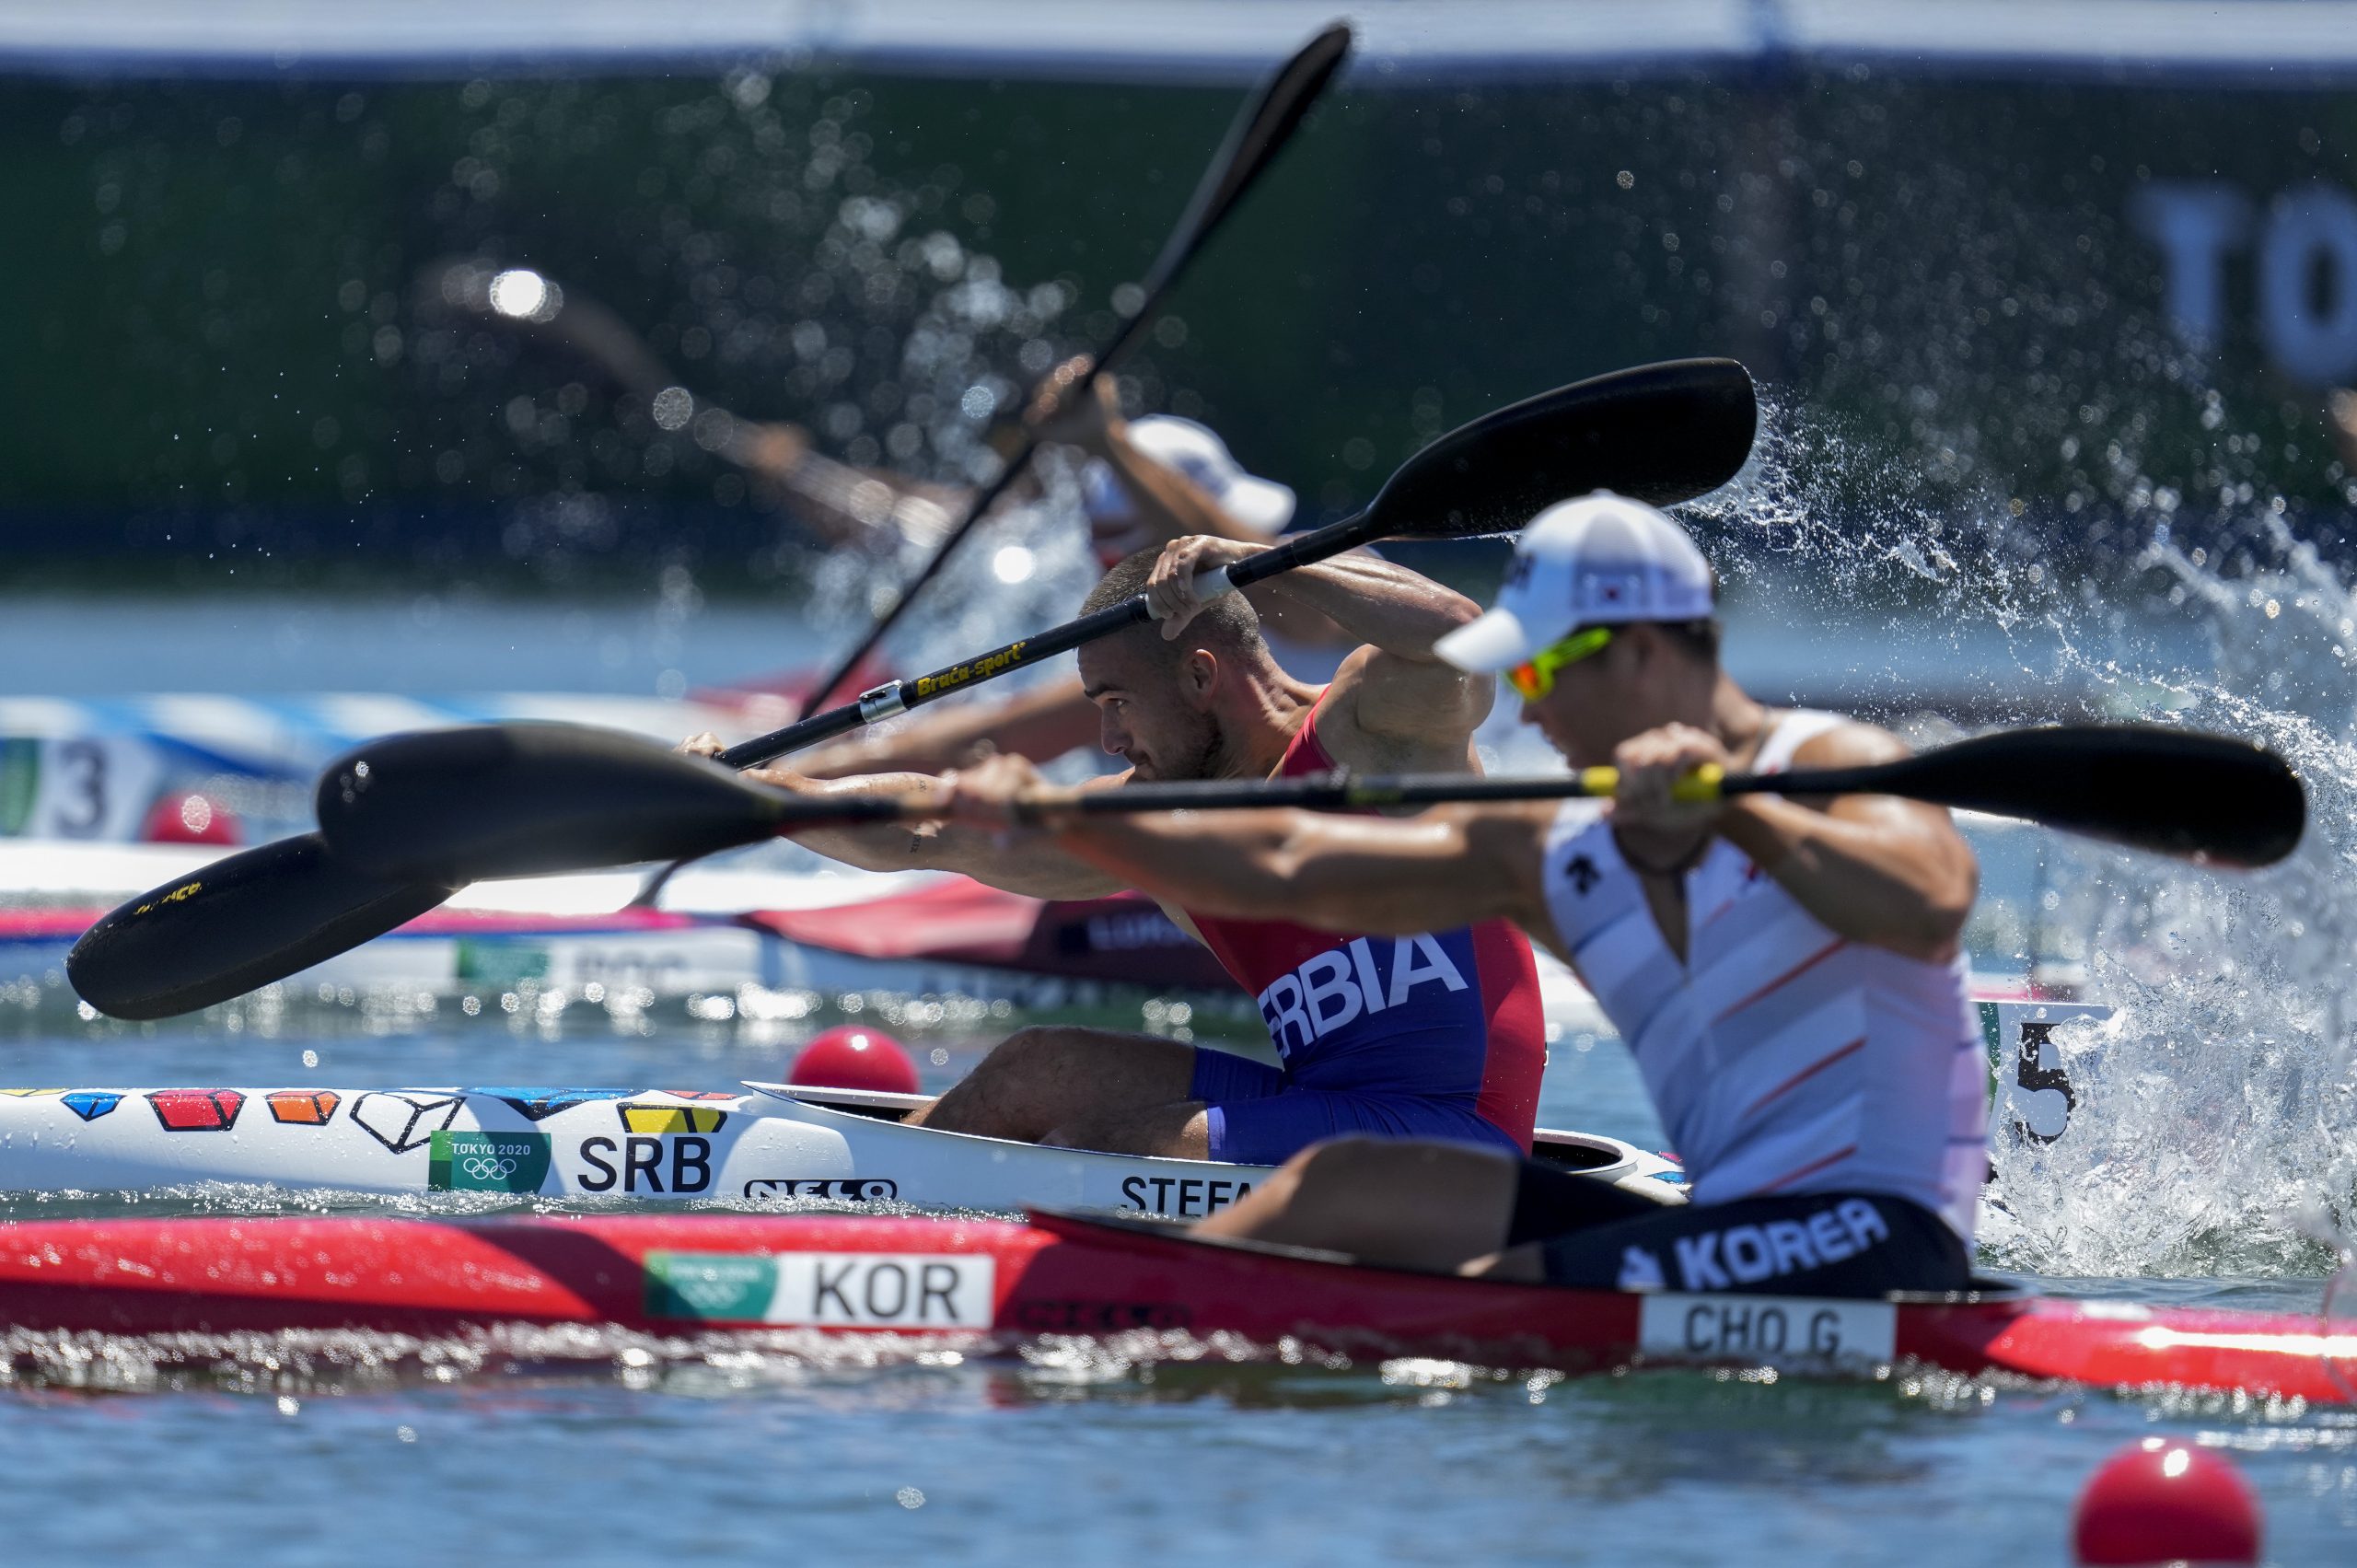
{"x":1663,"y":432}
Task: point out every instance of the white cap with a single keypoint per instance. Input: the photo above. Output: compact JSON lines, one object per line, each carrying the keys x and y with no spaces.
{"x":1601,"y":560}
{"x":1260,"y":505}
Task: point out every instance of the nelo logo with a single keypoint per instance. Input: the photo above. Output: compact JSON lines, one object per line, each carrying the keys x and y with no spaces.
{"x":1342,"y":983}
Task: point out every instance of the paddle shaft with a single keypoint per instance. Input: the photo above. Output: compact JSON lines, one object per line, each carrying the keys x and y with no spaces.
{"x":1970,"y":774}
{"x":1254,"y":141}
{"x":1336,"y":790}
{"x":898,"y":696}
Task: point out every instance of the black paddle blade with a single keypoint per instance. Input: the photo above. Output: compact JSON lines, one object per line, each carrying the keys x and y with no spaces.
{"x":1260,"y":133}
{"x":470,"y":804}
{"x":1658,"y":433}
{"x":240,"y":923}
{"x":2175,"y":791}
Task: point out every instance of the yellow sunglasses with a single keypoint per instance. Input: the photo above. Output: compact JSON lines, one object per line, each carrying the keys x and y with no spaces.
{"x":1535,"y":677}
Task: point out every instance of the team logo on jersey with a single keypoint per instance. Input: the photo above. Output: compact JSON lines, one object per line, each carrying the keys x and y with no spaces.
{"x":1582,"y":874}
{"x":1639,"y":1270}
{"x":1342,"y":983}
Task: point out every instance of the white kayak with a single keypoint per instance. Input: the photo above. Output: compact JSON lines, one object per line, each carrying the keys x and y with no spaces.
{"x":757,"y":1144}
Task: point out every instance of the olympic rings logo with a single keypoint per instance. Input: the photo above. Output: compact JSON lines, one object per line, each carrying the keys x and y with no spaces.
{"x":483,"y":1167}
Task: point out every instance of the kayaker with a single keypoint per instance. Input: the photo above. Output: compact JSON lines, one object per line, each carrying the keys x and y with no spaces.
{"x":1144,"y":483}
{"x":1435,"y":1032}
{"x":1787,"y":973}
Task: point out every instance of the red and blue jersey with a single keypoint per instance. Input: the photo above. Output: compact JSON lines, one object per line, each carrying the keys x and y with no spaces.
{"x":1450,"y":1018}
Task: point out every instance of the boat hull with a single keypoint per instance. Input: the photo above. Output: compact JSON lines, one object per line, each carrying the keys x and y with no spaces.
{"x":984,"y":1282}
{"x":755,"y":1145}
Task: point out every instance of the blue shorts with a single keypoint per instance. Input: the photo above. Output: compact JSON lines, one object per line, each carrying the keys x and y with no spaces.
{"x":1259,"y":1118}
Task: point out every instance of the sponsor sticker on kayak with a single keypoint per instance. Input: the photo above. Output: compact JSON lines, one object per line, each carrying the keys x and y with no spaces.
{"x":823,"y":1290}
{"x":488,"y":1162}
{"x":1780,"y":1329}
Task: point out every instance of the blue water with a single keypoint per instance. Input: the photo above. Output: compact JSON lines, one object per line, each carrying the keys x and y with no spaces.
{"x":997,"y":1466}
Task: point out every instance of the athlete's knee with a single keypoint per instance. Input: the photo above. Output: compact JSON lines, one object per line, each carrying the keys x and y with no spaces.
{"x":1038,"y":1051}
{"x":1358,"y":1156}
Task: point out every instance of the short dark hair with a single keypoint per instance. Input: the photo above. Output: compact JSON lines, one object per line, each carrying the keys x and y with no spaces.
{"x":1227,"y":622}
{"x":1698,"y":638}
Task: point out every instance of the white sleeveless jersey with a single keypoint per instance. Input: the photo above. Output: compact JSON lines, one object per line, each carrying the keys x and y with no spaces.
{"x":1783,"y":1058}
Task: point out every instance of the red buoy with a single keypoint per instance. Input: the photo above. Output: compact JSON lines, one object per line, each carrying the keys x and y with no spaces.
{"x":190,"y":819}
{"x":851,"y":1056}
{"x":2163,"y":1500}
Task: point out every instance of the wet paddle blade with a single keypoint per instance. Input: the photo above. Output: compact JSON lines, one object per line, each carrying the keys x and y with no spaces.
{"x":471,"y":805}
{"x":243,"y":922}
{"x":1260,"y":133}
{"x":2174,"y":792}
{"x":1660,"y":433}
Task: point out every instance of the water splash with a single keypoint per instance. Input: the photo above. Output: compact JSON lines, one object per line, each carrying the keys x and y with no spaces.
{"x":787,"y":270}
{"x":2220,"y":1099}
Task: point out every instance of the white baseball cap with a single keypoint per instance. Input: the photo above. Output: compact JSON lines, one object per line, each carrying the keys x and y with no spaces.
{"x":1601,"y":560}
{"x":1262,"y":506}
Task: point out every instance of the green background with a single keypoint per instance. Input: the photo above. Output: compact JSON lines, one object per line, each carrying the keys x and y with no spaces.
{"x":217,"y":350}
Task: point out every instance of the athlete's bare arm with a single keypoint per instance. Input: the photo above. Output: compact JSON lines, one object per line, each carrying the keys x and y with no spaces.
{"x":1042,"y":723}
{"x":1891,"y":873}
{"x":1168,"y":503}
{"x":1026,"y":863}
{"x":1393,"y":704}
{"x":1449,"y":867}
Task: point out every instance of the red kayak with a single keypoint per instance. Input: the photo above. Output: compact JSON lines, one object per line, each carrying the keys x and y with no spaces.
{"x":979,"y":1281}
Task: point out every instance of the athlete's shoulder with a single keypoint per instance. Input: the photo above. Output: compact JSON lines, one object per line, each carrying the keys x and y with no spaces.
{"x":1847,"y":743}
{"x":1401,"y":713}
